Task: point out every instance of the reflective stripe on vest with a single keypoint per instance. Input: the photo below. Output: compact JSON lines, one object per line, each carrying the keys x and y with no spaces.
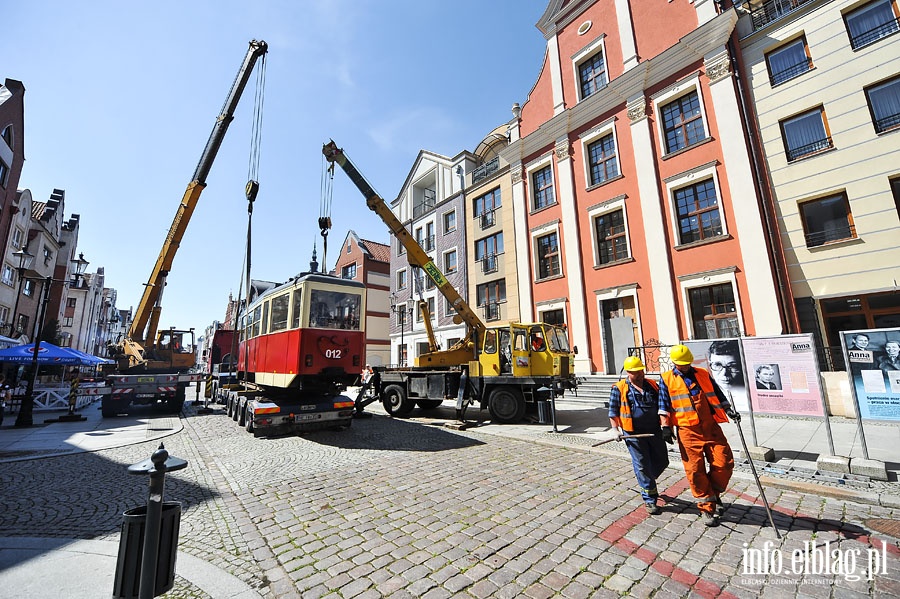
{"x":683,"y":408}
{"x":625,"y":409}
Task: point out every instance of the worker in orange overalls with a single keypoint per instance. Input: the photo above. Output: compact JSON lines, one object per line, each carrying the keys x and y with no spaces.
{"x":696,"y":405}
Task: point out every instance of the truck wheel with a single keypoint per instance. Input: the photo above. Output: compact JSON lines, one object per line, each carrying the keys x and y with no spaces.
{"x":229,"y":410}
{"x":429,"y":404}
{"x":506,"y":405}
{"x":249,"y":425}
{"x":108,"y":412}
{"x":395,"y":402}
{"x":242,"y":417}
{"x":235,"y":407}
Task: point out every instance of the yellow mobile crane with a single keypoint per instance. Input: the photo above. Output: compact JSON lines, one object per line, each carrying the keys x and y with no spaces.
{"x":153,"y":365}
{"x":502,"y":366}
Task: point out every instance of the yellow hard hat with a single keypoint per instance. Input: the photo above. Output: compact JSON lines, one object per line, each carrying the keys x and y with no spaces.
{"x":681,"y":355}
{"x":632,"y":363}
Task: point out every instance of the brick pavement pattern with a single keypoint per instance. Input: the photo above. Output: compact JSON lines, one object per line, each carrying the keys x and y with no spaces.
{"x":394,"y":508}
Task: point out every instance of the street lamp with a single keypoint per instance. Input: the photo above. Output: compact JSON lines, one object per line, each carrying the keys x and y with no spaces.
{"x":401,"y":309}
{"x":25,"y":260}
{"x":26,"y":411}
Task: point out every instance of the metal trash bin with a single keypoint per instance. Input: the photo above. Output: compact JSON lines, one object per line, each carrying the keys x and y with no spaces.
{"x":131,"y":548}
{"x":544,"y":415}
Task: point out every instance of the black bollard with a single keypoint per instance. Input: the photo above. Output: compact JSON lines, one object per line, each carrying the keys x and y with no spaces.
{"x":157,"y":466}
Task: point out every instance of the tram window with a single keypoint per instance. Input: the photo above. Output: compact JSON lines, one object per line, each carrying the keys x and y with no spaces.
{"x":334,"y":310}
{"x":255,"y":327}
{"x":264,"y":326}
{"x":280,"y":312}
{"x":295,"y":306}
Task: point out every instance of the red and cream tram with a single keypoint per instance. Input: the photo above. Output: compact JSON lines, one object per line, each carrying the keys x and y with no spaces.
{"x":306,"y":335}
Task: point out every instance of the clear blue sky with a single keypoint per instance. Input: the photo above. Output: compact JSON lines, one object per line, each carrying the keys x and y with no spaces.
{"x":121,"y":97}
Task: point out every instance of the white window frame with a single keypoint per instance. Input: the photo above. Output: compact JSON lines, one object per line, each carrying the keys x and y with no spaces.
{"x":532,"y":168}
{"x":444,"y":221}
{"x":348,"y":265}
{"x":670,"y":94}
{"x":17,"y":236}
{"x":444,"y":261}
{"x":405,"y":278}
{"x":685,"y":179}
{"x":594,"y":212}
{"x":589,"y":137}
{"x":708,"y":279}
{"x":618,"y":292}
{"x":9,"y":275}
{"x":541,"y":231}
{"x":550,"y":306}
{"x":583,"y":55}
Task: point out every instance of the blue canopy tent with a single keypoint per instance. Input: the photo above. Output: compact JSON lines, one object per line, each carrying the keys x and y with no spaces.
{"x":89,"y":359}
{"x":47,"y":354}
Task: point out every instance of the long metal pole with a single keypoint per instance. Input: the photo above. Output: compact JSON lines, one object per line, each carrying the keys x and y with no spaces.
{"x":150,"y":557}
{"x":26,"y":411}
{"x":762,"y":493}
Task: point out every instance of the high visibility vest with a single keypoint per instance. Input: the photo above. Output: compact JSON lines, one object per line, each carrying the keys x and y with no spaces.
{"x":683,"y":407}
{"x":625,"y":409}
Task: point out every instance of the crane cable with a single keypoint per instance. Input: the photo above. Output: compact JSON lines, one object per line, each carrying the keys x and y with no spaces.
{"x":327,"y":192}
{"x":252,"y":188}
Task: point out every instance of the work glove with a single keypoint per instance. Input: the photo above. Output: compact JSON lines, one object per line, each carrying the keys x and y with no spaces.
{"x":667,"y":435}
{"x":734,"y":415}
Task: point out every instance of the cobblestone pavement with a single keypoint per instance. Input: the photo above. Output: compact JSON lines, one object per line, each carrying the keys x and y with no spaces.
{"x":394,"y":508}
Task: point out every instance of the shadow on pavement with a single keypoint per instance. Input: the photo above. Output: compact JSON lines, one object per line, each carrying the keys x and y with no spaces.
{"x":391,"y":434}
{"x":80,"y":496}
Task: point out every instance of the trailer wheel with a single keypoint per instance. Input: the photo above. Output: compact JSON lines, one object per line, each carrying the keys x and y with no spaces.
{"x":429,"y":404}
{"x":235,"y":408}
{"x":242,"y":417}
{"x":506,"y":405}
{"x":228,"y":410}
{"x":249,"y":425}
{"x":395,"y":402}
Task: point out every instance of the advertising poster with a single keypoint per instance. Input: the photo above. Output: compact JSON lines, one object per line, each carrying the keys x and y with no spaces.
{"x":873,"y":365}
{"x":723,"y":359}
{"x":783,"y":375}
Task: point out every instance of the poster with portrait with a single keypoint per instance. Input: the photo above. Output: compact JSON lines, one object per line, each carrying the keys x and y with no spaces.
{"x":873,"y":365}
{"x":783,"y":375}
{"x":724,"y":361}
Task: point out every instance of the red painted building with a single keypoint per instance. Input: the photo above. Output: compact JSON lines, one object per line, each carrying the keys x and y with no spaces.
{"x":637,"y":214}
{"x":370,"y":263}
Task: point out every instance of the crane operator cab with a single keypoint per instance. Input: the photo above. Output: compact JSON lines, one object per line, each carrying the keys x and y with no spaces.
{"x":526,"y":350}
{"x":176,"y":348}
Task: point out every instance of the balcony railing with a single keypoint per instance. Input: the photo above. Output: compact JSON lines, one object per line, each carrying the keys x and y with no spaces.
{"x":492,"y":311}
{"x":816,"y":146}
{"x":489,"y":263}
{"x":792,"y":71}
{"x":887,"y":123}
{"x":772,"y":10}
{"x":839,"y":233}
{"x":876,"y":33}
{"x":486,"y":170}
{"x":488,"y":219}
{"x":425,"y":205}
{"x":427,"y":243}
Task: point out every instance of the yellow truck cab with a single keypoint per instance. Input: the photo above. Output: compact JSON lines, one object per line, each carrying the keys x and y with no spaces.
{"x":527,"y":350}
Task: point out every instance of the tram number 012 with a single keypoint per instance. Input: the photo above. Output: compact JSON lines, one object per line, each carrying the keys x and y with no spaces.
{"x":333,"y":354}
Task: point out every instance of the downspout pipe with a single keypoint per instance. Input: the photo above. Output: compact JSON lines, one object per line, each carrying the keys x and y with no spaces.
{"x":765,"y":195}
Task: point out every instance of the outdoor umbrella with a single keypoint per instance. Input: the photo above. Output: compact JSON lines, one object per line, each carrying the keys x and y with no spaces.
{"x":89,"y":360}
{"x":47,"y":354}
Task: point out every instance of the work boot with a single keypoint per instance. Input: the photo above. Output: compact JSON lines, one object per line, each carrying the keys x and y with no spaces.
{"x":652,"y":508}
{"x":720,"y":507}
{"x":709,"y":519}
